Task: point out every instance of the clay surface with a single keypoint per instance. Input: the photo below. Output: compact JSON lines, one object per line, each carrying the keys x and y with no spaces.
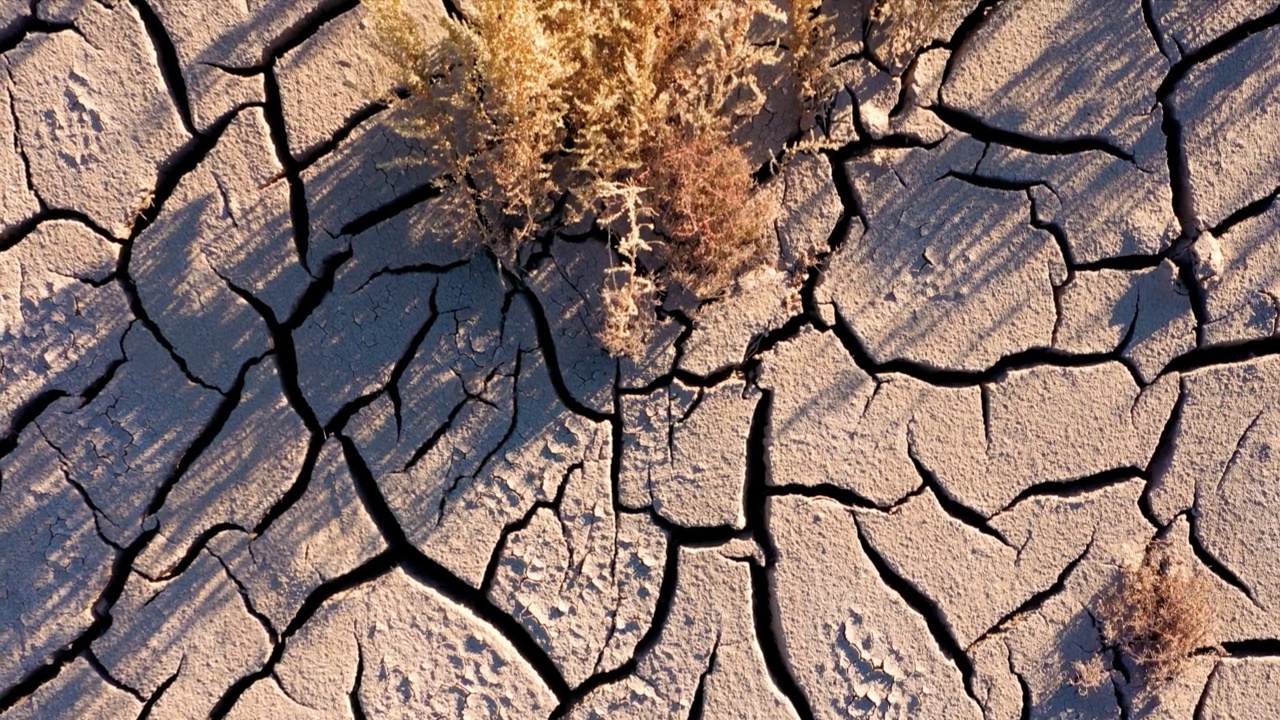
{"x":280,"y":439}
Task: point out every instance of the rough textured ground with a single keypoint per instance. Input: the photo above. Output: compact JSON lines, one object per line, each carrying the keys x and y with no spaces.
{"x":275,"y":444}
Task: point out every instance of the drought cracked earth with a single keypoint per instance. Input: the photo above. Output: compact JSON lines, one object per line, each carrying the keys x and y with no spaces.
{"x":273,"y":444}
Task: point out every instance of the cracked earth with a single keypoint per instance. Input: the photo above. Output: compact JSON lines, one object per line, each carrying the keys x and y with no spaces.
{"x":275,"y":444}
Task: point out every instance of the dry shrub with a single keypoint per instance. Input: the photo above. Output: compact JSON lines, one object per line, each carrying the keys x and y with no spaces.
{"x":714,"y":222}
{"x":627,"y":295}
{"x":1157,"y":614}
{"x":812,"y":40}
{"x":625,"y":107}
{"x":488,"y":101}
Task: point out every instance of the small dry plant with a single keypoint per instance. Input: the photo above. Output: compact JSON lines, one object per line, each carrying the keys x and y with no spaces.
{"x":618,"y":111}
{"x":1089,"y":674}
{"x":1157,"y":614}
{"x":910,"y":24}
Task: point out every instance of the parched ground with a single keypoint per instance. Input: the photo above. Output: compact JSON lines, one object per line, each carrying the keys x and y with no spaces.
{"x":275,"y":444}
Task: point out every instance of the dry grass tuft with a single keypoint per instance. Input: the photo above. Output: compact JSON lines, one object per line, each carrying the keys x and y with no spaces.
{"x":1089,"y":674}
{"x":1157,"y":614}
{"x":624,"y":107}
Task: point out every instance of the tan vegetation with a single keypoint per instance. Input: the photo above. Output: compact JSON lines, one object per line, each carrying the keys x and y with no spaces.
{"x":1089,"y":674}
{"x":622,"y":109}
{"x":1157,"y":614}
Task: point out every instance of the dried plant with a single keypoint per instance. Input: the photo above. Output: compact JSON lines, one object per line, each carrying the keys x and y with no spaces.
{"x":627,"y":108}
{"x":1089,"y":674}
{"x":714,"y":222}
{"x":811,"y":38}
{"x":626,"y":294}
{"x":1157,"y":614}
{"x":910,"y":24}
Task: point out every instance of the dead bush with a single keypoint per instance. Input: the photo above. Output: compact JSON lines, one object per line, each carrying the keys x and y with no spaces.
{"x":714,"y":223}
{"x":1157,"y":614}
{"x":539,"y":102}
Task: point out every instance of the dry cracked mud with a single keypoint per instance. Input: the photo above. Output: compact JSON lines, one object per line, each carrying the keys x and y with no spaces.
{"x":275,"y":443}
